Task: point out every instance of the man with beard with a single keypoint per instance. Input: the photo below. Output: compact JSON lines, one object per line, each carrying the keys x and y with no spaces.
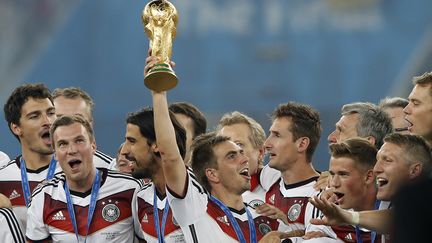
{"x":140,"y":147}
{"x":29,"y":113}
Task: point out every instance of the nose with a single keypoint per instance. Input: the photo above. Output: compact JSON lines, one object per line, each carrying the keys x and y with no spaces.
{"x":71,"y":149}
{"x":407,"y":109}
{"x":378,"y":167}
{"x":267,"y":144}
{"x":334,"y":181}
{"x":332,"y":137}
{"x":125,"y":150}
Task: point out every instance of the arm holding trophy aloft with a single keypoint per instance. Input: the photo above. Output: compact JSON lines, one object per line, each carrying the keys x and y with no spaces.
{"x":160,"y":19}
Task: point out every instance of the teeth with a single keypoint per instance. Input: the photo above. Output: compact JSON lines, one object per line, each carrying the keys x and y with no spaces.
{"x":381,"y":181}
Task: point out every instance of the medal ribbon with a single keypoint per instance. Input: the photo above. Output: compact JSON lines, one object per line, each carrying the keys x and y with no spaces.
{"x":92,"y":206}
{"x":234,"y":223}
{"x":160,"y":230}
{"x":373,"y":233}
{"x":24,"y":179}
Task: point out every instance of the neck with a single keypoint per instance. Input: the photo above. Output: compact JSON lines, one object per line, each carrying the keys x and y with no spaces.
{"x":231,"y":200}
{"x":300,"y":171}
{"x":159,"y":181}
{"x":35,"y":160}
{"x":368,"y":200}
{"x":82,"y":185}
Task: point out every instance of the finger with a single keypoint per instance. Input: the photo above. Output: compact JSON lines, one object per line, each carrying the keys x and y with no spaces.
{"x":318,"y":221}
{"x":172,"y":64}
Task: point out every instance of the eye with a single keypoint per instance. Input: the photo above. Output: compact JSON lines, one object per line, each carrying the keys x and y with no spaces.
{"x":61,"y":145}
{"x":240,"y":144}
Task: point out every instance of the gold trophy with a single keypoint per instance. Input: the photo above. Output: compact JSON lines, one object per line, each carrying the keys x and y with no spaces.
{"x":160,"y":19}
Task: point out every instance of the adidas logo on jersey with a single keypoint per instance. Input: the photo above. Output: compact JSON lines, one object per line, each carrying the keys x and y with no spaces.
{"x":145,"y":218}
{"x":272,"y":198}
{"x":223,"y":219}
{"x":14,"y":195}
{"x":59,"y":216}
{"x":349,"y":238}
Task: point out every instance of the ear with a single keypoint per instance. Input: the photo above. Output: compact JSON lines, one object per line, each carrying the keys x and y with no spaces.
{"x":415,"y":170}
{"x":212,"y":175}
{"x":261,"y":153}
{"x":302,"y":144}
{"x":154,"y":148}
{"x":371,"y":140}
{"x":15,"y":129}
{"x":369,"y":177}
{"x":94,"y":146}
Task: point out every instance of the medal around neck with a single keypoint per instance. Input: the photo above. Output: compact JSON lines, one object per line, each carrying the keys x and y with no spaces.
{"x":160,"y":19}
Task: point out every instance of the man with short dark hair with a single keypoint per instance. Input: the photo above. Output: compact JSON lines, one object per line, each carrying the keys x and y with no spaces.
{"x":294,"y":136}
{"x":141,"y":147}
{"x":394,"y":107}
{"x":83,"y":203}
{"x":192,"y":120}
{"x":29,"y":113}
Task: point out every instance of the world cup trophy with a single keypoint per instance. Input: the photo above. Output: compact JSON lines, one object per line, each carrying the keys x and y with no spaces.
{"x":160,"y":19}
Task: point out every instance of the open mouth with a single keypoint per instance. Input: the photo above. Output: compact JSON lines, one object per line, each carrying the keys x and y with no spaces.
{"x":410,"y":124}
{"x":74,"y":163}
{"x":245,"y":172}
{"x":381,"y":182}
{"x":339,"y":196}
{"x":46,"y":137}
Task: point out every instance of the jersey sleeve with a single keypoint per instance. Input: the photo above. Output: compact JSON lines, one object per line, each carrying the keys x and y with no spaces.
{"x":136,"y":221}
{"x":189,"y":209}
{"x":268,"y":176}
{"x":36,"y":229}
{"x":10,"y":229}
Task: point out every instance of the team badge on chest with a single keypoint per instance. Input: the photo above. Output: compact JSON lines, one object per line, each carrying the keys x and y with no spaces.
{"x":294,"y":212}
{"x":110,"y":212}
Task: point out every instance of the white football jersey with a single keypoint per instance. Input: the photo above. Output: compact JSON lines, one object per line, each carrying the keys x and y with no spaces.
{"x":204,"y":221}
{"x":114,"y":218}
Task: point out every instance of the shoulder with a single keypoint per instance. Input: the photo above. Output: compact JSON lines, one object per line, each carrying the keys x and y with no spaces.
{"x":126,"y":178}
{"x":102,"y":156}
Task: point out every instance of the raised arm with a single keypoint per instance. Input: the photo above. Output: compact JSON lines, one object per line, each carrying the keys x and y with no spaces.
{"x":172,"y":162}
{"x":376,"y":220}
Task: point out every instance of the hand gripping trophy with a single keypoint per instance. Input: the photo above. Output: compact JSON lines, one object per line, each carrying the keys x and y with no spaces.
{"x":160,"y":19}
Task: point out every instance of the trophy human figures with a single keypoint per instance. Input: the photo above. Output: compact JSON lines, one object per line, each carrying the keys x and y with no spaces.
{"x":160,"y":19}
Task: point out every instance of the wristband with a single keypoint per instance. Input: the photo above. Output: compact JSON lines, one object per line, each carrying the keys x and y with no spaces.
{"x":355,"y":218}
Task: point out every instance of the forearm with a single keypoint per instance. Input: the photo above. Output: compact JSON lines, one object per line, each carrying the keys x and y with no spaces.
{"x":376,"y":220}
{"x":172,"y":163}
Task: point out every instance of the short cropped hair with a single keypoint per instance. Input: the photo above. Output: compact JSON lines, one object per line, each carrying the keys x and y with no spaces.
{"x":372,"y":121}
{"x":258,"y":135}
{"x":203,"y":156}
{"x":359,"y":150}
{"x":415,"y":149}
{"x":144,"y":119}
{"x":75,"y":93}
{"x":305,"y":123}
{"x":191,"y":111}
{"x":393,"y":102}
{"x":424,"y":80}
{"x":13,"y":106}
{"x":67,"y":120}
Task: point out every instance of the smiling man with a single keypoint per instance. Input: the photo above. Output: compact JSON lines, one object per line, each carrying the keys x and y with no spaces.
{"x":84,"y":203}
{"x":402,"y":160}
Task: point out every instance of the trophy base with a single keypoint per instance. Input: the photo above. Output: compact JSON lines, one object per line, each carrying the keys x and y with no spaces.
{"x":160,"y":78}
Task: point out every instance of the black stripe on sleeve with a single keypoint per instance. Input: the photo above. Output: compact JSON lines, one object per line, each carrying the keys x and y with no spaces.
{"x":193,"y":233}
{"x":13,"y":224}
